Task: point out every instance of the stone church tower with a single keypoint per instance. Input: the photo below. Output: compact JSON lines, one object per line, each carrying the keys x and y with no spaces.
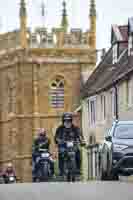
{"x":41,"y":74}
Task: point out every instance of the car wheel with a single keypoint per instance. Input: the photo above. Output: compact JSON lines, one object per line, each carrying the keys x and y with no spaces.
{"x":115,"y":177}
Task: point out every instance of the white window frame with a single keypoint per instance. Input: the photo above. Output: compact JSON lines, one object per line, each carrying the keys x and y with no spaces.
{"x":130,"y":44}
{"x":92,"y":113}
{"x":113,"y":102}
{"x":129,"y":92}
{"x":115,"y":53}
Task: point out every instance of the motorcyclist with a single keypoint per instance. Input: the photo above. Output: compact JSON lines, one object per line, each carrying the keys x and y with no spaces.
{"x":41,"y":142}
{"x":63,"y":133}
{"x":9,"y":171}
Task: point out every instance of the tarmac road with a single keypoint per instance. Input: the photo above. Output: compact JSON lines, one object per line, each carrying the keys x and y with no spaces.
{"x":68,"y":191}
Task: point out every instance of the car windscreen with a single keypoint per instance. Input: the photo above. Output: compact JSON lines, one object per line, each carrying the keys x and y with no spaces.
{"x":124,"y":131}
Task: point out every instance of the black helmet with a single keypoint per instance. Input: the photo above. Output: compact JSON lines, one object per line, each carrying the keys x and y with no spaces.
{"x":67,"y":116}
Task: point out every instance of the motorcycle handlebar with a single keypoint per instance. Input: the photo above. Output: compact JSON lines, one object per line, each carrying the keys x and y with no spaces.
{"x":65,"y":141}
{"x":82,"y":143}
{"x":44,"y":150}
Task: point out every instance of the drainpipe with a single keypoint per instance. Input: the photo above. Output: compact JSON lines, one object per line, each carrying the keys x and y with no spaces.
{"x":116,"y":102}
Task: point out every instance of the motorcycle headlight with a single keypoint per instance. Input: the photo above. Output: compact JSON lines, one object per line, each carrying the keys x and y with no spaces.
{"x":11,"y":178}
{"x":119,"y":147}
{"x":70,"y":144}
{"x":45,"y":155}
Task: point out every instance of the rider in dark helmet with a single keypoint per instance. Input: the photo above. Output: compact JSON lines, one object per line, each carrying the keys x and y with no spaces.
{"x":64,"y":132}
{"x":41,"y":142}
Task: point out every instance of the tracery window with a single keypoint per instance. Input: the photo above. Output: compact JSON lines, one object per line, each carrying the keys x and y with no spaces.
{"x":57,"y":93}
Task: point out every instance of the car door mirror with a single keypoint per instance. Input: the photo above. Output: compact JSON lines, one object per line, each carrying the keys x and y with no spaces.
{"x":108,"y":138}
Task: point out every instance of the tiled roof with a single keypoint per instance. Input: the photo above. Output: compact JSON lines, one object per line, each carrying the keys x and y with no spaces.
{"x":119,"y":33}
{"x":107,"y":74}
{"x":96,"y":74}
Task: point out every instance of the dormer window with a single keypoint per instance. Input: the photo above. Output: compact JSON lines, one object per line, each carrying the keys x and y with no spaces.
{"x":115,"y":53}
{"x":130,"y":36}
{"x":130,"y":44}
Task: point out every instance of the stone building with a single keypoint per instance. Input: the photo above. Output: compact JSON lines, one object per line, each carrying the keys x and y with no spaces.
{"x":108,"y":93}
{"x":41,"y":74}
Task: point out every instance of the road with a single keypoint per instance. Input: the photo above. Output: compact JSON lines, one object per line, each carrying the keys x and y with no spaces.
{"x":68,"y":191}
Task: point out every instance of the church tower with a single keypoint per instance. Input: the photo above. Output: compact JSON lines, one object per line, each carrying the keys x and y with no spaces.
{"x":42,"y":81}
{"x":23,"y":24}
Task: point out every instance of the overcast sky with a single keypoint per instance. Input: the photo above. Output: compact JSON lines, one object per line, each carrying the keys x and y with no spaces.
{"x":108,"y":12}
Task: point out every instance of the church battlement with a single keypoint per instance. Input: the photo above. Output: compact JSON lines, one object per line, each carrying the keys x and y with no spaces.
{"x":56,"y":38}
{"x":41,"y":38}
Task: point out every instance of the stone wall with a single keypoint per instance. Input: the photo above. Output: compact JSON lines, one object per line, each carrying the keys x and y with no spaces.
{"x":24,"y":90}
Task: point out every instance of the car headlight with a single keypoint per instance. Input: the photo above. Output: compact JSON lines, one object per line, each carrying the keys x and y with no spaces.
{"x":119,"y":147}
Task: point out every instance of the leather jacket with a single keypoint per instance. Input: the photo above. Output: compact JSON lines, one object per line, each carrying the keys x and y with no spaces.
{"x":64,"y":134}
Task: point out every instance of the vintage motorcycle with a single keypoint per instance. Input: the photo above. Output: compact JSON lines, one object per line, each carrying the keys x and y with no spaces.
{"x":70,"y":160}
{"x":10,"y":178}
{"x":42,"y":163}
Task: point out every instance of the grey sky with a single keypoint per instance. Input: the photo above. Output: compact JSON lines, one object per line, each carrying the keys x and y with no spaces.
{"x":108,"y":12}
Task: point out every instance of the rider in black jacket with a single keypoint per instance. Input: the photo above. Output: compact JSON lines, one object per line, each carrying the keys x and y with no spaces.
{"x":41,"y":142}
{"x":63,"y":133}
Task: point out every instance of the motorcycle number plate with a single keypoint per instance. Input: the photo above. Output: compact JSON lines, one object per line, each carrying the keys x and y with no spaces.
{"x":11,"y":178}
{"x":45,"y":155}
{"x":69,"y":144}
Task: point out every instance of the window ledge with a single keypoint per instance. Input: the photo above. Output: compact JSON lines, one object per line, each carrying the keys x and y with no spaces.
{"x":98,"y":123}
{"x":102,"y":122}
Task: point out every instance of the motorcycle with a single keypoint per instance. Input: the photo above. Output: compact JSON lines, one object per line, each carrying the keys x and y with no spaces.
{"x":70,"y":160}
{"x":10,"y":178}
{"x":43,"y":166}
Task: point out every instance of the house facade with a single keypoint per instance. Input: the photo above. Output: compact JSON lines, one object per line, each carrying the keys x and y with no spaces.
{"x":108,"y":93}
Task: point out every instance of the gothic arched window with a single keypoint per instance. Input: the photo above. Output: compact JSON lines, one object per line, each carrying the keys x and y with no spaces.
{"x":57,"y":93}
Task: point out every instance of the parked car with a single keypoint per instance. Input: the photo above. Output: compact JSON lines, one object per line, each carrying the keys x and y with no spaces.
{"x":116,"y":153}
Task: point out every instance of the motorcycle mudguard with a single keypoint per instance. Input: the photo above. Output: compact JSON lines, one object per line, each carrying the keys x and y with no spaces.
{"x":43,"y":170}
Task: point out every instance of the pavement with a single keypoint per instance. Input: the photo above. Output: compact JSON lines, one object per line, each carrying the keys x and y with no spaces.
{"x":126,"y":178}
{"x":68,"y":191}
